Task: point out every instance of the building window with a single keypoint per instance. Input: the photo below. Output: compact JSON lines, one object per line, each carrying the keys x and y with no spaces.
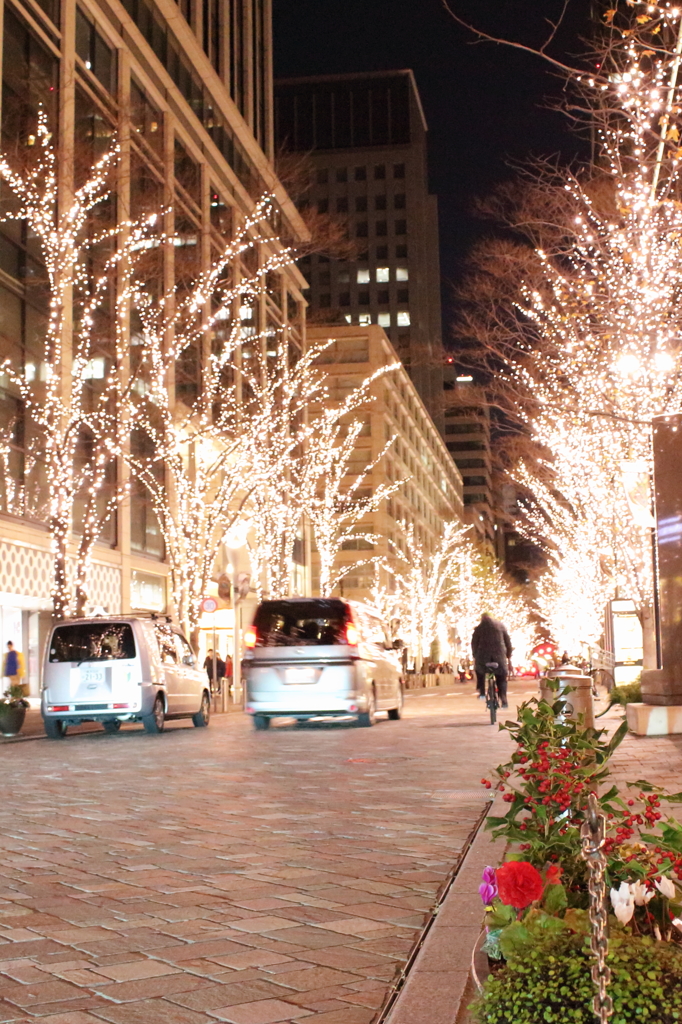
{"x":342,"y":205}
{"x":363,"y":276}
{"x":382,"y":252}
{"x":403,"y":295}
{"x":341,"y":174}
{"x":403,"y":318}
{"x":324,"y":277}
{"x":401,"y":227}
{"x":381,"y":227}
{"x":399,"y":202}
{"x":383,"y":274}
{"x":379,"y":172}
{"x":322,"y":176}
{"x":323,"y":206}
{"x":363,"y":298}
{"x":361,"y":229}
{"x":325,"y":300}
{"x":95,"y":53}
{"x":401,"y":274}
{"x":384,"y":320}
{"x":361,"y":204}
{"x":344,"y":299}
{"x":398,"y":170}
{"x":380,"y":202}
{"x":343,"y":276}
{"x":401,"y":252}
{"x":470,"y":481}
{"x":360,"y":174}
{"x":383,"y":298}
{"x":364,"y":319}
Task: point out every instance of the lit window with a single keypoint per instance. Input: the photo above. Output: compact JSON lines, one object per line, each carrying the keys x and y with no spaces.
{"x":401,"y":274}
{"x":348,"y":318}
{"x":245,"y":312}
{"x":384,"y":273}
{"x":384,"y":319}
{"x":364,"y":319}
{"x":403,"y":319}
{"x":363,"y":276}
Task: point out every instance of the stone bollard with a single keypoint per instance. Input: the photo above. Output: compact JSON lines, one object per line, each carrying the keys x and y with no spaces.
{"x":579,"y":701}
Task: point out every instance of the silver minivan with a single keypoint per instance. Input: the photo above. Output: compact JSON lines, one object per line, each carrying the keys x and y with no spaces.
{"x":320,"y":657}
{"x":120,"y":669}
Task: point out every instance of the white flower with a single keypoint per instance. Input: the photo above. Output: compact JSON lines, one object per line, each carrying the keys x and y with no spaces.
{"x":666,"y":887}
{"x":640,"y":894}
{"x":677,"y":922}
{"x":623,"y":903}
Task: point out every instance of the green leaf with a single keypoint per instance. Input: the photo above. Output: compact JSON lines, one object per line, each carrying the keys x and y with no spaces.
{"x":514,"y":939}
{"x":555,"y":899}
{"x":500,"y":916}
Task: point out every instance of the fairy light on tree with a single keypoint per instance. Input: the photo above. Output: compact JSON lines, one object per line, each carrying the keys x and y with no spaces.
{"x":60,"y":403}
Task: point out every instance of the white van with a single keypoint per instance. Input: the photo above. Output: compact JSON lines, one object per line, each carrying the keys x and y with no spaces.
{"x":320,"y":657}
{"x":120,"y":669}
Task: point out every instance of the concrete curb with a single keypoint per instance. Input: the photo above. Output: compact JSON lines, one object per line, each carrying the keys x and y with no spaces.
{"x":434,"y":990}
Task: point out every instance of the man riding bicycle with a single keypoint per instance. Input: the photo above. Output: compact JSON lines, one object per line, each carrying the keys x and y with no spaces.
{"x":490,"y":644}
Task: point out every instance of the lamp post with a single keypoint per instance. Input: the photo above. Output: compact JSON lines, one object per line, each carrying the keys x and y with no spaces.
{"x":234,"y":541}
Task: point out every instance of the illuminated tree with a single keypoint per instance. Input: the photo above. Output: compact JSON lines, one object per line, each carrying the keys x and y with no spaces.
{"x":72,"y":394}
{"x":591,"y":342}
{"x":195,"y":453}
{"x":334,"y":504}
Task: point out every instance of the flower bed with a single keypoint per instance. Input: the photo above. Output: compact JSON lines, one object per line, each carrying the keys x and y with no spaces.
{"x":537,"y":919}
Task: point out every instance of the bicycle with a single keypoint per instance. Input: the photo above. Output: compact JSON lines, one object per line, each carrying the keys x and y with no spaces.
{"x":491,"y":696}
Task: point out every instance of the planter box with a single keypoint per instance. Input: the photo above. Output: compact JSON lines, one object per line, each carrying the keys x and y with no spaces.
{"x":11,"y":719}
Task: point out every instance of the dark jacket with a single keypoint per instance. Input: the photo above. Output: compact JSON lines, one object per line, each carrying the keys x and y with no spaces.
{"x":490,"y":642}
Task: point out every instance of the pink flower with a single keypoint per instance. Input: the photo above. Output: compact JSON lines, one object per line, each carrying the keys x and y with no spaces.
{"x":488,"y":887}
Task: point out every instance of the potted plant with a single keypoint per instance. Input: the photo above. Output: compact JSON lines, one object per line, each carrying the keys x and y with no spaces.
{"x":538,"y":931}
{"x":12,"y":710}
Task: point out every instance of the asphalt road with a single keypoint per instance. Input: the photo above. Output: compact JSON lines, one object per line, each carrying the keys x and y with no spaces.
{"x":224,"y":874}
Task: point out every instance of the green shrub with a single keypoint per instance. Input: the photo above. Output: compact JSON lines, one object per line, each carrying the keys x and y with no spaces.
{"x":628,"y":693}
{"x":550,"y":982}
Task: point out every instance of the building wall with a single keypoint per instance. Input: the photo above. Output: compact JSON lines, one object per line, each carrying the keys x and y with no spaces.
{"x":192,"y":112}
{"x":467,"y":437}
{"x":365,"y":139}
{"x":433,"y":493}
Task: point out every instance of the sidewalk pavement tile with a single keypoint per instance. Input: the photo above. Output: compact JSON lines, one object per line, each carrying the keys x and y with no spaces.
{"x":266,"y":1011}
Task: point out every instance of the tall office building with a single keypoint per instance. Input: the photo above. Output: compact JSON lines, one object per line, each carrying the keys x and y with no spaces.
{"x":186,"y":89}
{"x":365,"y":138}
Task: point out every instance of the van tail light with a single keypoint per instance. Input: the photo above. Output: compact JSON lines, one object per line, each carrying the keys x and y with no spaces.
{"x":351,"y":634}
{"x":58,"y":707}
{"x":250,"y":636}
{"x":118,"y":706}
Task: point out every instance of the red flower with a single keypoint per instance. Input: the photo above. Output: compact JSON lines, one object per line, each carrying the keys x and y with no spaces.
{"x":553,"y":874}
{"x":519,"y":884}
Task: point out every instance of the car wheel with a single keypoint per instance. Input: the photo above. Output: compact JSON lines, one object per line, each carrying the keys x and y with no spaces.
{"x":368,"y":718}
{"x":155,"y":722}
{"x":112,"y":727}
{"x":397,"y":712}
{"x":55,"y":728}
{"x":261,"y":722}
{"x":203,"y":715}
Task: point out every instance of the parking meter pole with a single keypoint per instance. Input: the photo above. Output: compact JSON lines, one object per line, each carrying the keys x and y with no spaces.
{"x":237,"y":667}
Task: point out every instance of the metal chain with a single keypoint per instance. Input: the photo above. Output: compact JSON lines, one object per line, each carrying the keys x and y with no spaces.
{"x":592,"y":836}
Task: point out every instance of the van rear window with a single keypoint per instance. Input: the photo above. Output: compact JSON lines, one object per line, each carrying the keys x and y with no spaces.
{"x":97,"y":641}
{"x":301,"y":624}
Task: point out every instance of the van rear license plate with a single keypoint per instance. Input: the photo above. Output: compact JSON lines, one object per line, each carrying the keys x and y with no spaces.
{"x":92,"y":674}
{"x":300,"y":675}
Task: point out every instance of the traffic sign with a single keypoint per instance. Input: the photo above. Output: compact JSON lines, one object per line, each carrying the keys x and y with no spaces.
{"x":209,"y":604}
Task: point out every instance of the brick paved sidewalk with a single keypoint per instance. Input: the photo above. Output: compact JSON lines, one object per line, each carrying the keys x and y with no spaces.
{"x":228,"y":875}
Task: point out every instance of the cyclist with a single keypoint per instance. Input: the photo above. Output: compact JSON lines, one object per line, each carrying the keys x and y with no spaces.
{"x":490,"y":643}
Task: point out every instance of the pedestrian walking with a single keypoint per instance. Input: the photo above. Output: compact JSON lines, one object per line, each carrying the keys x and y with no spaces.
{"x":219,"y":670}
{"x":13,"y":667}
{"x":490,"y":643}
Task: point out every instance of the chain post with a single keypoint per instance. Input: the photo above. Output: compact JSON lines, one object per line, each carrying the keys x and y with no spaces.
{"x":592,"y":837}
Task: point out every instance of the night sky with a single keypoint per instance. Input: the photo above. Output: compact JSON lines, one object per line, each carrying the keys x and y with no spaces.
{"x":486,"y":105}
